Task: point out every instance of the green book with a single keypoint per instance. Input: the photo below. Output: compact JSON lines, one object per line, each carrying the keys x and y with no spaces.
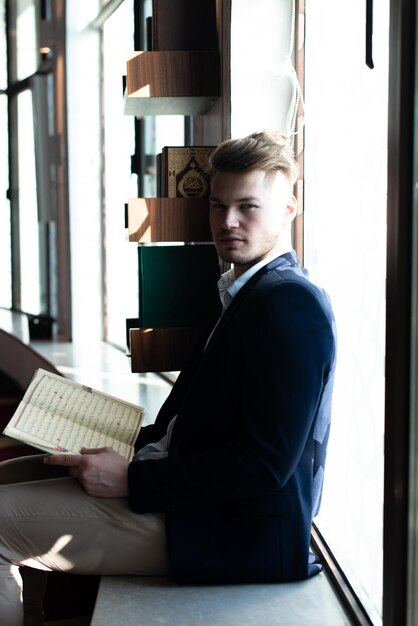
{"x":177,"y":285}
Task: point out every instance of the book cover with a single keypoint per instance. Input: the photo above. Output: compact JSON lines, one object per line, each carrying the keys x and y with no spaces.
{"x":61,"y":416}
{"x":158,"y":174}
{"x":185,"y":171}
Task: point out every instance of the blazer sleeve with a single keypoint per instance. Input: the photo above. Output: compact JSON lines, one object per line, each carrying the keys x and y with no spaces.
{"x":171,"y":406}
{"x":286,"y":350}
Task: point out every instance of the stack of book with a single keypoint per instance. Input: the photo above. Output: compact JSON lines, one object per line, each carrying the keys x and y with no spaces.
{"x":178,"y":295}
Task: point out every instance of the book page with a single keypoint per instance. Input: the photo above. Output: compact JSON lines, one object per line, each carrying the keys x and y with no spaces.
{"x":70,"y":416}
{"x":48,"y":445}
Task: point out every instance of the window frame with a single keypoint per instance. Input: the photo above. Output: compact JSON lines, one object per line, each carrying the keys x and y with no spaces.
{"x":399,"y":383}
{"x":57,"y":303}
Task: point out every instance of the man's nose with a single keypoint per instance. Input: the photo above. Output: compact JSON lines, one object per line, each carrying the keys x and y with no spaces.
{"x":231,"y":218}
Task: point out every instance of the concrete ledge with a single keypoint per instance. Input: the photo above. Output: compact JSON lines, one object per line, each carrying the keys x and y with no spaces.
{"x":143,"y":601}
{"x":19,"y":360}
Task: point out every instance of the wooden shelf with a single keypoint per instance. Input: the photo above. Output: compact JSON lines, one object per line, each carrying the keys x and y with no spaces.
{"x":168,"y":219}
{"x":172,"y":83}
{"x":162,"y":349}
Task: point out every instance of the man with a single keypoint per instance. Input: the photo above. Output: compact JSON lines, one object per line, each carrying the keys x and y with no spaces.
{"x":227,"y":479}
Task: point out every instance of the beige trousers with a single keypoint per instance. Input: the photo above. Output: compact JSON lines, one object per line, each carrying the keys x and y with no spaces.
{"x":49,"y":523}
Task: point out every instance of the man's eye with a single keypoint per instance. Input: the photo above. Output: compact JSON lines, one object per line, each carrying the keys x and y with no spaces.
{"x":248,"y":206}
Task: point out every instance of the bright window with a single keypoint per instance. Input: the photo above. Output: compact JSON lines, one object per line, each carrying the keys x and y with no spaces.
{"x":5,"y":234}
{"x":261,"y":76}
{"x":28,"y":208}
{"x":84,"y":153}
{"x":120,"y":184}
{"x":345,"y":251}
{"x":3,"y":47}
{"x":25,"y":14}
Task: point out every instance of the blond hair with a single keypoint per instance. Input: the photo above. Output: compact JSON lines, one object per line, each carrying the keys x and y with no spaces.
{"x":266,"y":150}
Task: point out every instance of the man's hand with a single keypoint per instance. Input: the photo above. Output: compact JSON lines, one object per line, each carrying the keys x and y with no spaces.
{"x":102,"y":472}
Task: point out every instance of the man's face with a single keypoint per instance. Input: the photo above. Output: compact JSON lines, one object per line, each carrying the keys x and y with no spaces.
{"x":250,"y":216}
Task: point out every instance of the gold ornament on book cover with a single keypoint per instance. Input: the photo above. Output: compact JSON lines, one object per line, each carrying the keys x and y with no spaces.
{"x":187,"y":173}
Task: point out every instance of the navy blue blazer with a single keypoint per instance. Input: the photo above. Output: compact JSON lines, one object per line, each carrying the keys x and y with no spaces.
{"x":243,"y":477}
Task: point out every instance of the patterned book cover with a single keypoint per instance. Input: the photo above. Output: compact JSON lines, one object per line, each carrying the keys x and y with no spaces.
{"x":185,"y":171}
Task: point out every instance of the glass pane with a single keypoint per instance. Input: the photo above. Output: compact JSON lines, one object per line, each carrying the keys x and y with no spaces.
{"x":5,"y":249}
{"x":120,"y":184}
{"x":84,"y":169}
{"x":261,"y":77}
{"x":160,"y":131}
{"x":24,"y":18}
{"x":147,"y":13}
{"x":345,"y":251}
{"x":28,"y":208}
{"x":3,"y":46}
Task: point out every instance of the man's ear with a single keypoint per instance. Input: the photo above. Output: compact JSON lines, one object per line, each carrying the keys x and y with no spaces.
{"x":291,"y":209}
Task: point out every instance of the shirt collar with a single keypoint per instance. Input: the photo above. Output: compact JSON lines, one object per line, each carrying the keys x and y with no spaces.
{"x":229,"y":286}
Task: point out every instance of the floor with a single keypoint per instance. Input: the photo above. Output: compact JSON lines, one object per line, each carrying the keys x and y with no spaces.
{"x":141,"y":601}
{"x":74,"y":621}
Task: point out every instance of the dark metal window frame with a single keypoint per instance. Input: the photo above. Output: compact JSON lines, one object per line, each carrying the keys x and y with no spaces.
{"x":398,"y":325}
{"x":339,"y":580}
{"x":55,"y":66}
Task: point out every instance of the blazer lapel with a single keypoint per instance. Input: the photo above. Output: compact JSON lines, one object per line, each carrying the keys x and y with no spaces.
{"x":284,"y":261}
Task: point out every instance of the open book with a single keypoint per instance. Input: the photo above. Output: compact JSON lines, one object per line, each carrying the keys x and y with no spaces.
{"x":60,"y":416}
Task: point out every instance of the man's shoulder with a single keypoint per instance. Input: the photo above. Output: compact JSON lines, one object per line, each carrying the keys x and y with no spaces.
{"x":289,"y":281}
{"x":287,"y":274}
